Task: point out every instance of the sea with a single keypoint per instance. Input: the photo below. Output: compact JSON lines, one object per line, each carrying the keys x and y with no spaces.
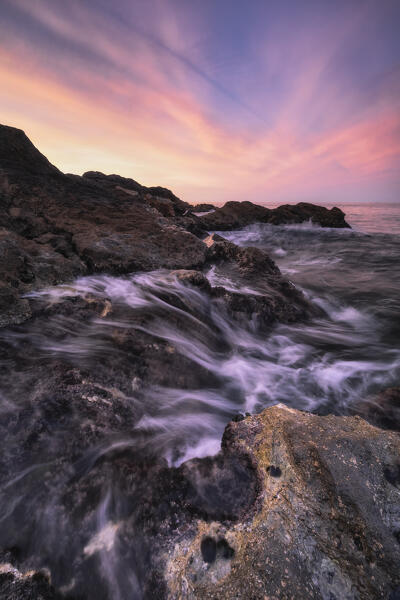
{"x":346,"y":355}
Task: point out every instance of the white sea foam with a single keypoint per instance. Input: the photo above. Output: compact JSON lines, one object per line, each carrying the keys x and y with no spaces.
{"x":304,"y":366}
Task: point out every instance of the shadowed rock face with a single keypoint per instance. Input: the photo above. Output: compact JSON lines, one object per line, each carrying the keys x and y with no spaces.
{"x":203,"y":207}
{"x":234,"y":215}
{"x":273,"y":298}
{"x":20,"y":159}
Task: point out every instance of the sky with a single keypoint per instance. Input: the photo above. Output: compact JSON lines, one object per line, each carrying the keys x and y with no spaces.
{"x":261,"y":100}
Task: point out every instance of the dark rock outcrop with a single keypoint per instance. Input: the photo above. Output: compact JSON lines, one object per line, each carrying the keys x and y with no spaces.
{"x":234,"y":215}
{"x":26,"y":263}
{"x":20,"y":160}
{"x":56,"y":226}
{"x":160,"y":198}
{"x":304,"y":211}
{"x":251,"y":287}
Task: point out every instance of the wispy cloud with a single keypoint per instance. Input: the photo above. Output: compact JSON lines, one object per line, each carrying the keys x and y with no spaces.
{"x":141,"y":92}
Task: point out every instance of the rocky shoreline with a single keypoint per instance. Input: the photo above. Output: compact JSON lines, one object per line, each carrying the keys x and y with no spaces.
{"x":55,"y":227}
{"x":294,"y":505}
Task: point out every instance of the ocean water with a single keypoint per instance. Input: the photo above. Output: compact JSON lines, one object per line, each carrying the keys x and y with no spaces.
{"x":373,"y":218}
{"x":327,"y":365}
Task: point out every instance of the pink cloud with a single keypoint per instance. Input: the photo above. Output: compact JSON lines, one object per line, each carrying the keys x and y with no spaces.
{"x":145,"y":119}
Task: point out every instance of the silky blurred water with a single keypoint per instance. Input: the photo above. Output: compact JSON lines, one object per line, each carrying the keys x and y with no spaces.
{"x":326,"y":365}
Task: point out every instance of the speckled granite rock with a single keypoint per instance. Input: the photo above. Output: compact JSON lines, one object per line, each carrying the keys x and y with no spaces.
{"x":325,"y":523}
{"x":29,"y":585}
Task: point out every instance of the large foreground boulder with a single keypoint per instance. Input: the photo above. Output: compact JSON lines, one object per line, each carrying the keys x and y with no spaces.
{"x":325,"y":522}
{"x":293,"y":506}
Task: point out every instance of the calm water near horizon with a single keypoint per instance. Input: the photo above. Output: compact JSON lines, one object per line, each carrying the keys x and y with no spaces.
{"x":373,"y":218}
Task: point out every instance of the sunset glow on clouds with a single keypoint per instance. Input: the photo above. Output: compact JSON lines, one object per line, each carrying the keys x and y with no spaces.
{"x":218,"y":100}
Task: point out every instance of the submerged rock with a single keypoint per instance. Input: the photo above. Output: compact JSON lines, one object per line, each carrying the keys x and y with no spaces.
{"x":13,"y":309}
{"x":194,"y":278}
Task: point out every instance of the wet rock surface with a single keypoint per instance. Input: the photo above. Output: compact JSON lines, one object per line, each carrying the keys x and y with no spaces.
{"x":382,"y":410}
{"x":294,"y":504}
{"x":251,"y":287}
